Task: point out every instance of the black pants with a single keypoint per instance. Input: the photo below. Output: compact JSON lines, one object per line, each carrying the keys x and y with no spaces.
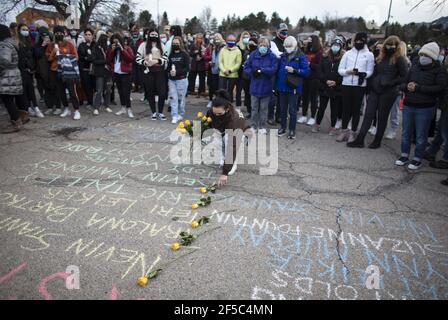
{"x":52,"y":99}
{"x":13,"y":104}
{"x":192,"y":81}
{"x":377,"y":104}
{"x":213,"y":84}
{"x":309,"y":95}
{"x":155,"y":84}
{"x":28,"y":90}
{"x":70,"y":86}
{"x":351,"y":105}
{"x":228,"y":84}
{"x":40,"y":86}
{"x":335,"y":108}
{"x":123,"y":82}
{"x":247,"y":99}
{"x":88,"y":85}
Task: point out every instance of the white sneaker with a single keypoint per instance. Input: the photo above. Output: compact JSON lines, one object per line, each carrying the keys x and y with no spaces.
{"x":209,"y":105}
{"x":174,"y":121}
{"x":39,"y":113}
{"x":96,"y":112}
{"x":338,"y":124}
{"x":311,"y":122}
{"x":121,"y":112}
{"x":77,"y":115}
{"x":109,"y":110}
{"x":49,"y":112}
{"x":372,"y":131}
{"x":131,"y":99}
{"x":233,"y":171}
{"x":262,"y":131}
{"x":31,"y":112}
{"x":180,"y":118}
{"x":302,"y":120}
{"x":391,"y":135}
{"x":66,"y":113}
{"x":130,"y":114}
{"x":57,"y":112}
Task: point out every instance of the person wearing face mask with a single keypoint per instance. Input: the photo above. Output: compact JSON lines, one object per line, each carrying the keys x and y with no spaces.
{"x":292,"y":69}
{"x":216,"y":44}
{"x":331,"y":82}
{"x":33,"y":34}
{"x":102,"y":74}
{"x":225,"y":117}
{"x":277,"y":44}
{"x":85,"y":53}
{"x":261,"y":68}
{"x":230,"y":60}
{"x":137,"y":40}
{"x":252,"y":46}
{"x":200,"y":57}
{"x":27,"y":66}
{"x":75,"y":37}
{"x":62,"y":47}
{"x":390,"y":71}
{"x":150,"y":56}
{"x":423,"y":84}
{"x":243,"y":45}
{"x":356,"y":67}
{"x":42,"y":73}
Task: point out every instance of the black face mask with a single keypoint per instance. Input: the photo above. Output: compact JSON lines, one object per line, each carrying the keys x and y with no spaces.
{"x":59,"y":38}
{"x":153,"y":39}
{"x":176,"y":47}
{"x":359,"y":46}
{"x":390,"y":51}
{"x":376,"y":52}
{"x":220,"y":119}
{"x":252,"y":47}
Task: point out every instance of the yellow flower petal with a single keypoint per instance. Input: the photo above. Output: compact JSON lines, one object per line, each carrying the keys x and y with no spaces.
{"x":203,"y":190}
{"x":200,"y":115}
{"x":194,"y":224}
{"x":175,"y":246}
{"x":187,"y":122}
{"x":142,"y":281}
{"x":194,"y":206}
{"x":209,"y":120}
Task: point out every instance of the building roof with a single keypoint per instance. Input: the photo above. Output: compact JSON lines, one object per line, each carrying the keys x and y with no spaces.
{"x":44,"y":13}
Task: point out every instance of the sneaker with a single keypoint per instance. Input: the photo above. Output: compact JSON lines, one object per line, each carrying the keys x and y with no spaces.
{"x":343,"y":136}
{"x":311,"y":122}
{"x":39,"y":113}
{"x":281,"y":132}
{"x":333,"y":132}
{"x":315,"y":129}
{"x":130,"y":114}
{"x":77,"y":115}
{"x":31,"y":112}
{"x":154,"y":117}
{"x":302,"y":120}
{"x":429,"y":157}
{"x":57,"y":112}
{"x":96,"y":112}
{"x":291,"y":135}
{"x":391,"y":135}
{"x":162,"y":117}
{"x":174,"y":121}
{"x":338,"y":124}
{"x":66,"y":113}
{"x":351,"y":136}
{"x":441,"y":164}
{"x":372,"y":131}
{"x":414,"y":165}
{"x":209,"y":105}
{"x":49,"y":112}
{"x":271,"y":122}
{"x":262,"y":131}
{"x":121,"y":112}
{"x":109,"y":110}
{"x":402,"y":161}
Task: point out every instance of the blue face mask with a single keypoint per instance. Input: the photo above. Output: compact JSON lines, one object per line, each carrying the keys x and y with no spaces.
{"x":231,"y":44}
{"x":34,"y":34}
{"x":335,"y":49}
{"x":263,"y":50}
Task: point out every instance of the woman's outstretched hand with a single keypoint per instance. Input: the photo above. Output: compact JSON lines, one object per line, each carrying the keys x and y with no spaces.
{"x":222,"y":181}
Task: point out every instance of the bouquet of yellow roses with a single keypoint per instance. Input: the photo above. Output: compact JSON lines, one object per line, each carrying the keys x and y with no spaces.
{"x":187,"y":125}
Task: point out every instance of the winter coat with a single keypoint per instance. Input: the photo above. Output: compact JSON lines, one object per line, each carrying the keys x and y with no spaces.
{"x":100,"y":67}
{"x":204,"y":54}
{"x":362,"y":60}
{"x":314,"y":59}
{"x":261,"y":86}
{"x":387,"y":77}
{"x":301,"y":67}
{"x":431,"y":82}
{"x":27,"y":63}
{"x":126,"y":59}
{"x":230,"y":59}
{"x":10,"y":77}
{"x":85,"y":58}
{"x":329,"y":72}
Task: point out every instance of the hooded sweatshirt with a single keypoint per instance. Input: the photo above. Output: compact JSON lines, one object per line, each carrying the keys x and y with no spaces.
{"x":362,"y":60}
{"x":230,"y":59}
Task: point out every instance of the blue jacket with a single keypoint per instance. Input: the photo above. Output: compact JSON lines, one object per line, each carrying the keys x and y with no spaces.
{"x":301,"y":67}
{"x":261,"y":86}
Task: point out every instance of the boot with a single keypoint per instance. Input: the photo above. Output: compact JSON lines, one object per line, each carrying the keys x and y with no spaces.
{"x":14,"y":127}
{"x":24,"y":116}
{"x":375,"y":144}
{"x":356,"y":144}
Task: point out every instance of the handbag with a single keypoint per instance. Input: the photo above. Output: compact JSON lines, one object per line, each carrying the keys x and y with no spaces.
{"x":292,"y":80}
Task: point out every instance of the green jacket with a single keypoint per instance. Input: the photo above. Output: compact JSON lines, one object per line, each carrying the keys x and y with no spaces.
{"x":230,"y":59}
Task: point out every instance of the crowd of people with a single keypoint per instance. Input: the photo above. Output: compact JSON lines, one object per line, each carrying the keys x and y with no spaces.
{"x":281,"y":81}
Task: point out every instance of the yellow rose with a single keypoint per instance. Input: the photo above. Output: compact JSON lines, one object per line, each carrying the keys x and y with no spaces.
{"x":200,"y":115}
{"x":209,"y":120}
{"x":142,"y":281}
{"x":188,"y":122}
{"x":204,"y":118}
{"x":175,"y":246}
{"x":203,"y":190}
{"x":181,"y":125}
{"x":194,"y":224}
{"x":194,"y":206}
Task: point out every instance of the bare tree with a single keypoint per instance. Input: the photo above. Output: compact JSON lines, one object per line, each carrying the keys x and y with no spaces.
{"x":436,"y":4}
{"x":206,"y":18}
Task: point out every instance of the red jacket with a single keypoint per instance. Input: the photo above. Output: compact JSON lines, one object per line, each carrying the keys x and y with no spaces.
{"x":127,"y":58}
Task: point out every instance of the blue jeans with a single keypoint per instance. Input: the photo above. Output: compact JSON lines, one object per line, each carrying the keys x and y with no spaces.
{"x":441,"y":137}
{"x":420,"y":119}
{"x":177,"y":94}
{"x":259,"y":114}
{"x":288,"y":104}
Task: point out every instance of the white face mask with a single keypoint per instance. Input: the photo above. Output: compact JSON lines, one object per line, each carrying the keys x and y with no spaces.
{"x":289,"y":50}
{"x":425,"y":61}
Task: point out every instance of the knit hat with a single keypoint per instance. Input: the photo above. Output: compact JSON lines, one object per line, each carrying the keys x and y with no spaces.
{"x":339,"y":41}
{"x":57,"y":29}
{"x":361,"y":36}
{"x":431,"y":50}
{"x":290,"y":41}
{"x":43,"y":31}
{"x":99,"y":33}
{"x":282,"y":27}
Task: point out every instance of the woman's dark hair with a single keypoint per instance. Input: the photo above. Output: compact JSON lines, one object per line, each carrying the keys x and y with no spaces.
{"x":116,"y":36}
{"x":23,"y":41}
{"x":315,"y":44}
{"x":158,"y":42}
{"x":89,"y":30}
{"x":222,"y":99}
{"x":4,"y":32}
{"x":102,"y":41}
{"x":176,"y":31}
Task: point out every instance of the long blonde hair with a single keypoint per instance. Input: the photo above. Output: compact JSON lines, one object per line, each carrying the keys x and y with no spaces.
{"x":391,"y":41}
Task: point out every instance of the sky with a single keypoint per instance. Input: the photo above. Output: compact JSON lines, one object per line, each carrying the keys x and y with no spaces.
{"x":369,"y":9}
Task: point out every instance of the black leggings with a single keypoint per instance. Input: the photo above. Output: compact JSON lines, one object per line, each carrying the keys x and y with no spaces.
{"x":13,"y":104}
{"x":351,"y":105}
{"x":155,"y":85}
{"x":377,"y":104}
{"x":213,"y":84}
{"x":28,"y":89}
{"x":335,"y":107}
{"x":192,"y":81}
{"x":123,"y":82}
{"x":61,"y":86}
{"x":309,"y":94}
{"x":88,"y":85}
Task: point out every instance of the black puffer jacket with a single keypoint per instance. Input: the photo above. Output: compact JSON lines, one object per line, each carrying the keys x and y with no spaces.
{"x":85,"y":56}
{"x":431,"y":82}
{"x":329,"y":72}
{"x":388,"y":77}
{"x":27,"y":62}
{"x":99,"y":62}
